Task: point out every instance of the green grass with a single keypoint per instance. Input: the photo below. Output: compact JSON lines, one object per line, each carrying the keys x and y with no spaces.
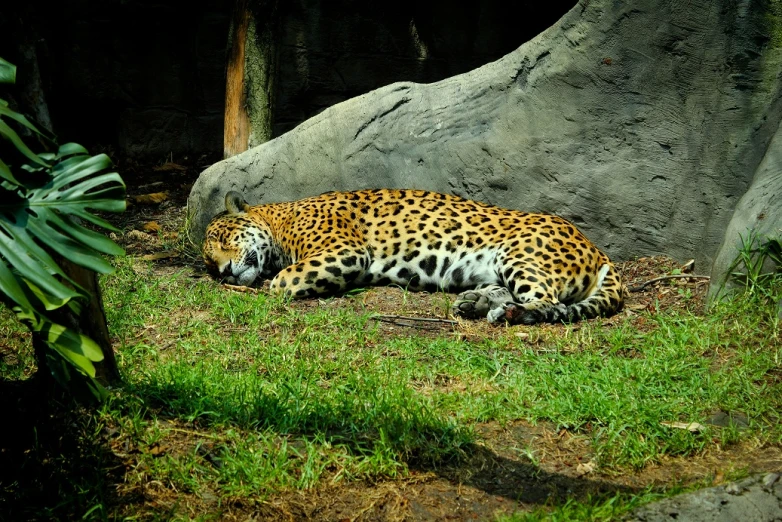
{"x":246,"y":396}
{"x":593,"y":508}
{"x":252,"y":363}
{"x":16,"y":355}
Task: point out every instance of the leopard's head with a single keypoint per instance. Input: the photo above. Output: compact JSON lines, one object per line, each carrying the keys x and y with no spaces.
{"x":238,"y":244}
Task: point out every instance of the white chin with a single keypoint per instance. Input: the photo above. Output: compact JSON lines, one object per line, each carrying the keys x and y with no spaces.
{"x":247,"y":277}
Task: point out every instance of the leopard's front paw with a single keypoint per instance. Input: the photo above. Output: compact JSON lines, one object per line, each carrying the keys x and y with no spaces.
{"x":471,"y":304}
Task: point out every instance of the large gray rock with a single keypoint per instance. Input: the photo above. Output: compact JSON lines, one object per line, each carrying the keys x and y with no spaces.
{"x":756,"y":220}
{"x":643,"y":122}
{"x":754,"y":499}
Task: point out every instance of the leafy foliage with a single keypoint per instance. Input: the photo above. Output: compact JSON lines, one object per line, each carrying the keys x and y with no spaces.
{"x":44,"y":199}
{"x":758,"y":265}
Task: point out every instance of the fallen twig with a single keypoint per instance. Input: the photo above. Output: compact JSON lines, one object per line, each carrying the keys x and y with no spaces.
{"x":638,"y":288}
{"x":692,"y":427}
{"x":396,"y":318}
{"x":238,"y":288}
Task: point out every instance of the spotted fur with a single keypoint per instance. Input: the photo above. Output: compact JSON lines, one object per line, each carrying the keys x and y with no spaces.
{"x":511,"y":266}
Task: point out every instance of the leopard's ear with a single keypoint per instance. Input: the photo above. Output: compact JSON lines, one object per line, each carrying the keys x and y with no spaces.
{"x":235,"y":203}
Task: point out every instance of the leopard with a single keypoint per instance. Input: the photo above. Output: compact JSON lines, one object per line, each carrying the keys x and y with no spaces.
{"x":507,"y":266}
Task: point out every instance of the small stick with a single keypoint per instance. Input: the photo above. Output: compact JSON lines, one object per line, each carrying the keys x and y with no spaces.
{"x":395,"y":318}
{"x":640,"y":287}
{"x":237,"y":288}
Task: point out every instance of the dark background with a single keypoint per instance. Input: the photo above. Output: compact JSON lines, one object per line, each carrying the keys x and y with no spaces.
{"x":146,"y":79}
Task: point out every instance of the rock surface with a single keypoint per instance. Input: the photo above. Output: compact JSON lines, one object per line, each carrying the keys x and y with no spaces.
{"x":755,"y":499}
{"x":758,"y":216}
{"x":641,"y":122}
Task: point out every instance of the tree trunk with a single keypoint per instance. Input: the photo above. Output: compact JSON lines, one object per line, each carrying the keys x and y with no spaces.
{"x":250,"y":76}
{"x":92,"y":321}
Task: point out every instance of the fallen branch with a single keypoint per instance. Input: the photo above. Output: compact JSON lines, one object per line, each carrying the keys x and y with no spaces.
{"x":396,"y":318}
{"x":643,"y":285}
{"x":692,"y":427}
{"x":245,"y":289}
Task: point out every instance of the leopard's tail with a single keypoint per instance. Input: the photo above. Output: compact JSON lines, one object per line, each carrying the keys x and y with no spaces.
{"x":606,"y":299}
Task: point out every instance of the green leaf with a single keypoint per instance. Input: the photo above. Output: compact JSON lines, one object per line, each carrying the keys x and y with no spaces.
{"x":88,"y":191}
{"x":45,"y":218}
{"x":61,"y":369}
{"x":20,"y":118}
{"x":69,"y":149}
{"x":78,"y":167}
{"x":7,"y":72}
{"x":79,"y":361}
{"x":97,"y":390}
{"x":39,"y":202}
{"x":92,"y":218}
{"x":85,"y":236}
{"x":9,"y":285}
{"x":68,"y":248}
{"x":72,"y":341}
{"x":49,"y":302}
{"x":8,"y":133}
{"x":5,"y":173}
{"x":65,"y":164}
{"x":76,"y":348}
{"x":32,"y":262}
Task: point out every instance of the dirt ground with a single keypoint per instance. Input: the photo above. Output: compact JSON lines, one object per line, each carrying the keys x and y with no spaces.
{"x":496,"y":478}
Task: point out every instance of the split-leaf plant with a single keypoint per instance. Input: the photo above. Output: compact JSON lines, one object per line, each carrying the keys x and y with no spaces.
{"x":45,"y":199}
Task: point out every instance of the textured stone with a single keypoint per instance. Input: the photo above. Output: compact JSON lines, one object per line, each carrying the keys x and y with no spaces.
{"x":755,"y":499}
{"x":642,"y":122}
{"x":757,"y":218}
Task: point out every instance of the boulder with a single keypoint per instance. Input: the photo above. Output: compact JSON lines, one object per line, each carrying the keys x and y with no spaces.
{"x":642,"y":122}
{"x":754,"y":499}
{"x":756,"y":221}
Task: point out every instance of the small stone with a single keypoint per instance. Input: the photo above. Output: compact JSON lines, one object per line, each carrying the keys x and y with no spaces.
{"x":138,"y":235}
{"x":733,"y":489}
{"x":585,"y":468}
{"x":770,"y":479}
{"x":725,"y":419}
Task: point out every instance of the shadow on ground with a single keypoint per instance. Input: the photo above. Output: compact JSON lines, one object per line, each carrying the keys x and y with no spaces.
{"x":54,"y":463}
